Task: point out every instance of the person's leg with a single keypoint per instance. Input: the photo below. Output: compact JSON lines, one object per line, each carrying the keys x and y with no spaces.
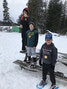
{"x":23,"y":40}
{"x":33,"y":53}
{"x":23,"y":43}
{"x":44,"y":72}
{"x":34,"y":59}
{"x":28,"y":54}
{"x":29,"y":59}
{"x":52,"y":75}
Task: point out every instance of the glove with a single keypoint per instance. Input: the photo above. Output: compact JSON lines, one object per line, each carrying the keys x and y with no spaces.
{"x":40,"y":63}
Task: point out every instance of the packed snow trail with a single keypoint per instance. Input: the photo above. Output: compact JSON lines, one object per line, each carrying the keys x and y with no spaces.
{"x":11,"y":76}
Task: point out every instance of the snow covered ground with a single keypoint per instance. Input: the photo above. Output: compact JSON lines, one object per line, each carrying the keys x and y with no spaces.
{"x":11,"y":77}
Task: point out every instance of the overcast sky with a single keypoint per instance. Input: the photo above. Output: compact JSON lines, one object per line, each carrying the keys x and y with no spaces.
{"x":16,"y":7}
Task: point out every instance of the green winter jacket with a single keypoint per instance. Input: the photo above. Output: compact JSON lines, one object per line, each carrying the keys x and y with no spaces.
{"x":31,"y":38}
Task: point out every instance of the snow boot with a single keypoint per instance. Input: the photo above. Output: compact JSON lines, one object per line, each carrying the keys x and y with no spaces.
{"x":25,"y":61}
{"x":42,"y":83}
{"x":23,"y":51}
{"x":29,"y":60}
{"x":53,"y":87}
{"x":33,"y":65}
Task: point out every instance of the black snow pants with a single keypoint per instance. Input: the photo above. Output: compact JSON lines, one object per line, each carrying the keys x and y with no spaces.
{"x":48,"y":68}
{"x":23,"y":34}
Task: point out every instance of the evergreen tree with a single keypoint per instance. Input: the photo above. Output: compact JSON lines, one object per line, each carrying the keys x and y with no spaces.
{"x":5,"y":12}
{"x":64,"y":18}
{"x":44,"y":17}
{"x":35,"y":10}
{"x":54,"y":15}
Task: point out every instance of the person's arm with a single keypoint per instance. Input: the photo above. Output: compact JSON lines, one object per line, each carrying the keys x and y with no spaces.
{"x":21,"y":22}
{"x":36,"y":38}
{"x":29,"y":20}
{"x":41,"y":55}
{"x":54,"y":54}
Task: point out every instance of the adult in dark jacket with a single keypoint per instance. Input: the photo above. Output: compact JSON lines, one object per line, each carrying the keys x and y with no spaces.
{"x":24,"y":26}
{"x":48,"y":56}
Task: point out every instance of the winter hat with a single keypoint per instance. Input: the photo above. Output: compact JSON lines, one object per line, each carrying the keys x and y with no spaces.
{"x":26,"y":9}
{"x":32,"y":23}
{"x":48,"y":36}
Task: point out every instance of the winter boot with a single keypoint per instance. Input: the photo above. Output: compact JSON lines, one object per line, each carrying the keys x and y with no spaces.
{"x":25,"y":61}
{"x":23,"y":51}
{"x":53,"y":87}
{"x":33,"y":65}
{"x":42,"y":83}
{"x":29,"y":60}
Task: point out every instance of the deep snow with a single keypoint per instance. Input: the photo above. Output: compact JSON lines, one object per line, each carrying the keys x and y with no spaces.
{"x":11,"y":77}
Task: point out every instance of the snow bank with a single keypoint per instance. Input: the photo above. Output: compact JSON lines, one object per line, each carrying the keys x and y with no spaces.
{"x":11,"y":77}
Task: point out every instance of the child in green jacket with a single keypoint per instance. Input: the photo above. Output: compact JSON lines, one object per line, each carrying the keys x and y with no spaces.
{"x":31,"y":43}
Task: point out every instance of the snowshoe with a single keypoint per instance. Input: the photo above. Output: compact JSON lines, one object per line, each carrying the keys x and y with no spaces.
{"x":42,"y":83}
{"x":53,"y":87}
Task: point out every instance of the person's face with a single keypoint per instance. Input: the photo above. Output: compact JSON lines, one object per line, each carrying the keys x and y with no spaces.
{"x":31,"y":27}
{"x":48,"y":41}
{"x":25,"y":13}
